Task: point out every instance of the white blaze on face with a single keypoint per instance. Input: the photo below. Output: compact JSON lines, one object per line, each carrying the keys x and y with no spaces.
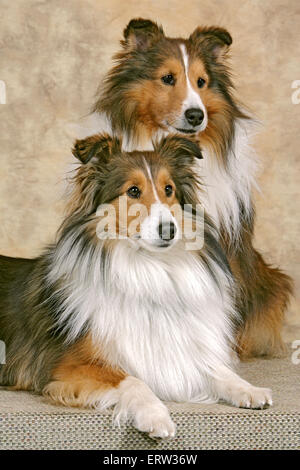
{"x":159,"y":214}
{"x":193,"y":99}
{"x":151,"y":180}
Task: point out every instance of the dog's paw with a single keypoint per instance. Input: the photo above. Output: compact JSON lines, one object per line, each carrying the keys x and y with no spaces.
{"x":156,"y":421}
{"x":138,"y":404}
{"x":252,"y":397}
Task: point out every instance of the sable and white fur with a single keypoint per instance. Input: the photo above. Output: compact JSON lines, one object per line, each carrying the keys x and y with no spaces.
{"x":98,"y":322}
{"x":155,"y":82}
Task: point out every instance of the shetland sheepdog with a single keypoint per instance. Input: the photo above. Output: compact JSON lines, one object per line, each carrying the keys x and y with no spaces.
{"x":161,"y":85}
{"x":109,"y":316}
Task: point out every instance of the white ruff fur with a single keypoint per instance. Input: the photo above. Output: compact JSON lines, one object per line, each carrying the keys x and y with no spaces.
{"x":160,"y":318}
{"x":225,"y":187}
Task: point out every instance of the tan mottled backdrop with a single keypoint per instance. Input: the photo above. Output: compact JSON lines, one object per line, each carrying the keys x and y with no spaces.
{"x":52,"y":55}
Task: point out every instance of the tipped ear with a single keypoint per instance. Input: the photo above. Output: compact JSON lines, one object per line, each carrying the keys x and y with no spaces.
{"x":215,"y":40}
{"x":95,"y":147}
{"x":180,"y":147}
{"x":140,"y":34}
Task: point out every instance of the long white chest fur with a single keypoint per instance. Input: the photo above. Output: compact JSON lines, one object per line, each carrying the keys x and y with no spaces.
{"x":226,"y":189}
{"x":161,"y":319}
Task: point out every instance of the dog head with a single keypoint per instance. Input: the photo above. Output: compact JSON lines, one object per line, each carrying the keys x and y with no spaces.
{"x":137,"y":196}
{"x":178,"y":85}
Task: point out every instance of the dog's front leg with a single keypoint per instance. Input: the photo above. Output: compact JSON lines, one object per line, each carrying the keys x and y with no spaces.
{"x":139,"y":404}
{"x":83,"y":379}
{"x":228,"y":386}
{"x":98,"y":387}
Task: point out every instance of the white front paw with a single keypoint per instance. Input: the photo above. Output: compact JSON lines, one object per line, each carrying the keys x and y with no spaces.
{"x":138,"y":404}
{"x":155,"y":420}
{"x":252,"y":397}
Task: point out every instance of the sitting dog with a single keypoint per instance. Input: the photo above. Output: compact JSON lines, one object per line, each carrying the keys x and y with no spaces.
{"x":161,"y":85}
{"x":135,"y":301}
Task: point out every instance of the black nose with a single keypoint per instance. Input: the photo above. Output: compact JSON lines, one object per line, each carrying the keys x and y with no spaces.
{"x":167,"y":231}
{"x":194,"y":116}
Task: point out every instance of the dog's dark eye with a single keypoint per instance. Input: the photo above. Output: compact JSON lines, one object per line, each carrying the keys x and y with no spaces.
{"x":169,"y":190}
{"x":168,"y":79}
{"x":201,"y":82}
{"x":134,"y":192}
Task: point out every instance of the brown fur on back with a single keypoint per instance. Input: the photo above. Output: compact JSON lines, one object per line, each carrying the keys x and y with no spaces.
{"x":26,"y":325}
{"x":263,"y":296}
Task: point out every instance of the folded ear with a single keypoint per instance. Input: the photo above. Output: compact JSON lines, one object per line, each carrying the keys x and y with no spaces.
{"x":95,"y":147}
{"x":214,"y":39}
{"x":140,"y":34}
{"x":179,"y":148}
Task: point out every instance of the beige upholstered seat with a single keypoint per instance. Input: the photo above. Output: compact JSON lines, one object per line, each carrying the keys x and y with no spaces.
{"x":28,"y":422}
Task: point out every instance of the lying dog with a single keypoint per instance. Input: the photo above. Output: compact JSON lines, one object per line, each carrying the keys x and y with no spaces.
{"x":125,"y":308}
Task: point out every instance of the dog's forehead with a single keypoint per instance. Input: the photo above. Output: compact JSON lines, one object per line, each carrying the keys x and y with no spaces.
{"x":171,"y":45}
{"x":179,"y":54}
{"x":148,"y":166}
